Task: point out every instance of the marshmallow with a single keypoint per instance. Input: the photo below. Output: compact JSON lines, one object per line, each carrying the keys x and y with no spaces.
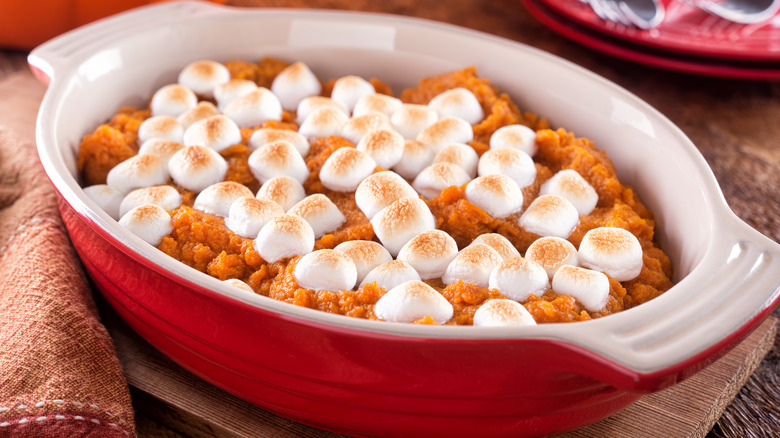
{"x":381,"y":189}
{"x":283,"y":190}
{"x":498,"y":242}
{"x":446,"y":131}
{"x":473,"y":264}
{"x":232,"y":90}
{"x":411,"y":301}
{"x":410,"y":119}
{"x":217,"y":198}
{"x":166,"y":197}
{"x":162,"y":148}
{"x":283,"y":237}
{"x":502,"y":313}
{"x":268,"y":135}
{"x":571,"y":185}
{"x":254,"y":108}
{"x":385,"y":146}
{"x":348,"y":90}
{"x":320,"y":212}
{"x":437,"y":177}
{"x":235,"y":282}
{"x":326,"y":269}
{"x":461,"y":154}
{"x":390,"y":274}
{"x":416,"y":157}
{"x":172,"y":100}
{"x":516,"y":137}
{"x":202,"y":76}
{"x":163,"y":127}
{"x":429,"y":253}
{"x":216,"y":132}
{"x":138,"y":171}
{"x":197,"y":167}
{"x":518,"y":278}
{"x":513,"y":163}
{"x":590,"y":288}
{"x":400,"y":221}
{"x":550,"y":215}
{"x":323,"y":122}
{"x":203,"y":110}
{"x":365,"y":254}
{"x":498,"y":195}
{"x":106,"y":197}
{"x":357,"y":127}
{"x":247,"y":216}
{"x":149,"y":222}
{"x":458,"y":102}
{"x":278,"y":158}
{"x":345,"y":169}
{"x":380,"y":103}
{"x":551,"y":253}
{"x":612,"y":250}
{"x":295,"y":83}
{"x":309,"y":104}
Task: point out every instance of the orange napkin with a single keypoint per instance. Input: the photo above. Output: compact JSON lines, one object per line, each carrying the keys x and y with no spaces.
{"x":59,"y":374}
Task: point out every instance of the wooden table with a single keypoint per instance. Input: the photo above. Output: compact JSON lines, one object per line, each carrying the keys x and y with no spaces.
{"x":734,"y":123}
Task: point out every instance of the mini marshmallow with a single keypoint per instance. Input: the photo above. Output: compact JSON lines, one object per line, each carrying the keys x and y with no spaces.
{"x":283,"y":237}
{"x":518,"y":278}
{"x":138,"y":171}
{"x":345,"y":169}
{"x":433,"y":179}
{"x":410,"y":119}
{"x":590,"y":288}
{"x":458,"y":102}
{"x":498,"y":242}
{"x":197,"y":167}
{"x":473,"y":264}
{"x":268,"y":135}
{"x":513,"y":163}
{"x":516,"y":137}
{"x":323,"y":122}
{"x":400,"y":221}
{"x":551,"y":253}
{"x":461,"y":154}
{"x":295,"y":83}
{"x":106,"y":197}
{"x":385,"y":146}
{"x":278,"y":158}
{"x":217,"y":198}
{"x":415,"y":158}
{"x":309,"y":104}
{"x":572,"y":186}
{"x":247,"y":216}
{"x":550,"y":215}
{"x":283,"y":190}
{"x":612,"y":250}
{"x":429,"y":253}
{"x":348,"y":90}
{"x":380,"y":103}
{"x":446,"y":131}
{"x":365,"y":254}
{"x":390,"y":274}
{"x":498,"y":195}
{"x":235,"y":282}
{"x":381,"y":189}
{"x":232,"y":90}
{"x":326,"y":269}
{"x":411,"y":301}
{"x":357,"y":127}
{"x":320,"y":212}
{"x":216,"y":132}
{"x":162,"y":148}
{"x":202,"y":76}
{"x":163,"y":127}
{"x":149,"y":222}
{"x":166,"y":197}
{"x":203,"y":110}
{"x":502,"y":313}
{"x":172,"y":100}
{"x":254,"y":108}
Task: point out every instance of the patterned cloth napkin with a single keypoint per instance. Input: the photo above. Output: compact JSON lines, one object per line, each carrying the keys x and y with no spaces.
{"x":59,"y":374}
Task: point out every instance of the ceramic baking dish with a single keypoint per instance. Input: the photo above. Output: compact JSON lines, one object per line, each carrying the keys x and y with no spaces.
{"x":364,"y":377}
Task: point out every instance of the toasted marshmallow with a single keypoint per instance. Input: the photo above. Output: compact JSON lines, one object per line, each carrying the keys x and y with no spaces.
{"x":323,"y":122}
{"x":517,"y":278}
{"x":400,"y":221}
{"x":416,"y":157}
{"x":365,"y":254}
{"x":202,"y":76}
{"x":437,"y":177}
{"x":498,"y":242}
{"x":502,"y":313}
{"x":498,"y":195}
{"x":203,"y":110}
{"x":550,"y":215}
{"x":390,"y":274}
{"x":429,"y":253}
{"x":197,"y":167}
{"x":162,"y":148}
{"x":410,"y":119}
{"x":320,"y":212}
{"x":380,"y":103}
{"x":612,"y":250}
{"x":217,"y":198}
{"x":590,"y":288}
{"x":278,"y":158}
{"x":247,"y":216}
{"x":283,"y":190}
{"x":381,"y":189}
{"x":551,"y":253}
{"x":138,"y":171}
{"x":326,"y":269}
{"x":172,"y":100}
{"x":345,"y":169}
{"x":446,"y":131}
{"x":235,"y":282}
{"x":513,"y":163}
{"x":458,"y":102}
{"x":357,"y":127}
{"x":216,"y":132}
{"x":572,"y":186}
{"x":312,"y":103}
{"x":106,"y":197}
{"x":473,"y":264}
{"x":254,"y":108}
{"x":295,"y":83}
{"x":149,"y":222}
{"x":385,"y":146}
{"x":348,"y":90}
{"x":163,"y":127}
{"x":411,"y":301}
{"x":166,"y":197}
{"x":461,"y":154}
{"x":232,"y":90}
{"x":516,"y":137}
{"x":268,"y":135}
{"x":283,"y":237}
